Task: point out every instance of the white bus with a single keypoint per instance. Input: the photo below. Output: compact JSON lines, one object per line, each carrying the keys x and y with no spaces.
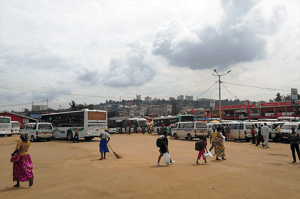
{"x":289,"y":119}
{"x":15,"y":127}
{"x":5,"y":128}
{"x":90,"y":123}
{"x":168,"y":120}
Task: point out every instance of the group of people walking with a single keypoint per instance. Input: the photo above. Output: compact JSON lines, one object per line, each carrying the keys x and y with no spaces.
{"x":22,"y":169}
{"x":217,"y":142}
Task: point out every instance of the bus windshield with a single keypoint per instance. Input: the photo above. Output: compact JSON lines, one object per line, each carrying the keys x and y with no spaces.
{"x":187,"y":118}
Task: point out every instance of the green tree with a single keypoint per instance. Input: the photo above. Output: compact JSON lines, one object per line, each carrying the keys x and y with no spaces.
{"x":278,"y":98}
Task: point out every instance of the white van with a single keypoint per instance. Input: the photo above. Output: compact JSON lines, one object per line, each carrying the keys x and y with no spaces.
{"x":15,"y":127}
{"x":189,"y":130}
{"x":286,"y":129}
{"x":37,"y":131}
{"x":241,"y":130}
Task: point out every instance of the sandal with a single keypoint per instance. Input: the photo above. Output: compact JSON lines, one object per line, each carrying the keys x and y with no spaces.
{"x":197,"y":162}
{"x":101,"y":159}
{"x":217,"y":159}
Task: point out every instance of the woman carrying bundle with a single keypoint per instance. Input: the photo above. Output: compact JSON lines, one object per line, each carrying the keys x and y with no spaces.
{"x":220,"y":148}
{"x":201,"y":153}
{"x":22,"y":169}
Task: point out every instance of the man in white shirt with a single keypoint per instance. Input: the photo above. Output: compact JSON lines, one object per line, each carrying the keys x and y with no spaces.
{"x":265,"y":131}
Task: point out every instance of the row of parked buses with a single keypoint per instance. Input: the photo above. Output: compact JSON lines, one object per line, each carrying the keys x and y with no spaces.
{"x":61,"y":125}
{"x":8,"y":127}
{"x":239,"y":130}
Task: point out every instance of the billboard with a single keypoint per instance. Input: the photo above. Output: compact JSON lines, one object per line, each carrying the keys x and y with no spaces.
{"x":294,"y":96}
{"x":96,"y":115}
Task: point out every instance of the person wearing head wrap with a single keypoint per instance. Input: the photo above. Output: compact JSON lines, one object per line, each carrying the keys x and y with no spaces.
{"x":105,"y":137}
{"x":220,"y":145}
{"x":22,"y":170}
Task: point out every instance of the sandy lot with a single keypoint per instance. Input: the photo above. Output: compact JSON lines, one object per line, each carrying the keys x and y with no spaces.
{"x":63,"y":169}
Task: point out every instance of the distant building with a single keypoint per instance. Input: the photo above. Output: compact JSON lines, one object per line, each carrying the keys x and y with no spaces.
{"x":180,"y":97}
{"x":18,"y":117}
{"x":138,"y":97}
{"x":147,"y":99}
{"x":189,"y":98}
{"x":171,"y":98}
{"x":39,"y":107}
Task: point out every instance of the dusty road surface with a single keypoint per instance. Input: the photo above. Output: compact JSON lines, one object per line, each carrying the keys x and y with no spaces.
{"x":63,"y":169}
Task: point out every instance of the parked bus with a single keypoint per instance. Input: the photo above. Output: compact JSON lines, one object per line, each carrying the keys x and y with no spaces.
{"x":289,"y":119}
{"x":90,"y":123}
{"x":140,"y":123}
{"x":5,"y":127}
{"x":167,"y":121}
{"x":15,"y":127}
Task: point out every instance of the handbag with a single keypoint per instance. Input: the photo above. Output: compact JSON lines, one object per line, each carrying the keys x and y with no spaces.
{"x":167,"y":158}
{"x":16,"y":157}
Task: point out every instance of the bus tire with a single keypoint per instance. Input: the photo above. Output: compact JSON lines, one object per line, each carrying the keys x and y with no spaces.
{"x":175,"y":136}
{"x":48,"y":139}
{"x":88,"y":138}
{"x":9,"y":135}
{"x":2,"y":135}
{"x":70,"y":135}
{"x":189,"y":137}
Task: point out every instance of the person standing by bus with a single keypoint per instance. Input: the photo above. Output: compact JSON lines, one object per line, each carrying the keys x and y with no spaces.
{"x":105,"y":137}
{"x":22,"y":170}
{"x":277,"y":131}
{"x":265,"y":131}
{"x":253,"y":132}
{"x":259,"y":136}
{"x":294,"y":137}
{"x":228,"y":132}
{"x":76,"y":134}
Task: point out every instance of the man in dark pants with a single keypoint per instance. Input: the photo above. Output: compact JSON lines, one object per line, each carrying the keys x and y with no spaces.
{"x":76,"y":134}
{"x":253,"y":134}
{"x":259,"y":137}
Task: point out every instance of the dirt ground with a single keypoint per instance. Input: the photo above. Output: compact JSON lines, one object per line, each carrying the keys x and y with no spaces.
{"x":63,"y":169}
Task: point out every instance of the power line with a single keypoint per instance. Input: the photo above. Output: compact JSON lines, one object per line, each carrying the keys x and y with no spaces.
{"x":255,"y":86}
{"x":206,"y":90}
{"x":228,"y":91}
{"x":23,"y":104}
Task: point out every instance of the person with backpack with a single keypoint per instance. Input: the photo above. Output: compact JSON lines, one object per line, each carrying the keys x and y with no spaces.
{"x":162,"y":143}
{"x":202,"y":149}
{"x":294,"y":137}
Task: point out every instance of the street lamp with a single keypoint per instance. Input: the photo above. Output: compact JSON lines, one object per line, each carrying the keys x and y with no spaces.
{"x":217,"y":74}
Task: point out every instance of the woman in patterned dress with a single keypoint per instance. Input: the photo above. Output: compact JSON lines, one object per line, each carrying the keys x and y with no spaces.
{"x":22,"y":170}
{"x":220,"y":148}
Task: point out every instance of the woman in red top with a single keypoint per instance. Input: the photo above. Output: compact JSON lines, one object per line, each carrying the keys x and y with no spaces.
{"x":202,"y":152}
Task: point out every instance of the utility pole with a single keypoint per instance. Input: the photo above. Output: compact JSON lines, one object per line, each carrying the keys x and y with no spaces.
{"x":47,"y":105}
{"x":217,"y":74}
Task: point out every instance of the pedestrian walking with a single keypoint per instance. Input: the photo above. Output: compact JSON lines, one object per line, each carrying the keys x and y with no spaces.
{"x":22,"y":169}
{"x":265,"y":132}
{"x":164,"y":148}
{"x":76,"y":135}
{"x":212,"y":140}
{"x":228,"y":129}
{"x":294,"y":137}
{"x":277,"y":131}
{"x":105,"y":138}
{"x":259,"y":136}
{"x":253,"y":132}
{"x":220,"y":146}
{"x":202,"y":152}
{"x":163,"y":129}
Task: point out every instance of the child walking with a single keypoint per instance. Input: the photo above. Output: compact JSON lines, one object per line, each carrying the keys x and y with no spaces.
{"x":202,"y":152}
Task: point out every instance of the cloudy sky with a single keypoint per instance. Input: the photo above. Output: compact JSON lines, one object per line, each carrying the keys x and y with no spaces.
{"x":90,"y":51}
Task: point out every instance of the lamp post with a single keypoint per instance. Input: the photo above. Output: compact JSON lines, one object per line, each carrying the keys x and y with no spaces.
{"x":217,"y":74}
